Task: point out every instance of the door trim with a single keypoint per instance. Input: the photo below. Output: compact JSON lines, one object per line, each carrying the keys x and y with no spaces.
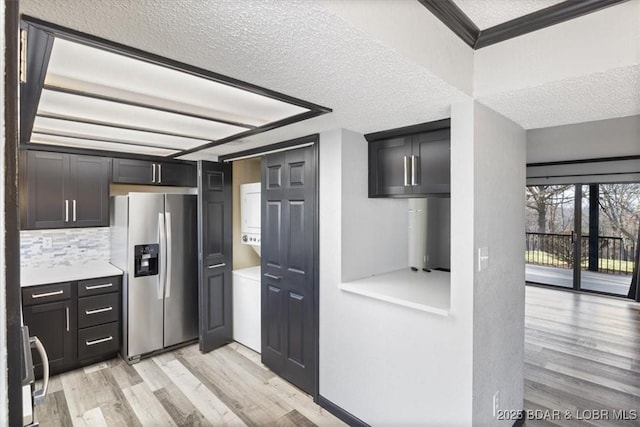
{"x":12,"y":221}
{"x":316,"y":266}
{"x":272,"y":148}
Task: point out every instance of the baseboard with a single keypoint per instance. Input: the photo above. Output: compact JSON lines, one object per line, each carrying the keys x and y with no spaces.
{"x":345,"y":416}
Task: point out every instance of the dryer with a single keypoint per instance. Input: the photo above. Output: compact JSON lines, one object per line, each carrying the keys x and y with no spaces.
{"x":250,"y":217}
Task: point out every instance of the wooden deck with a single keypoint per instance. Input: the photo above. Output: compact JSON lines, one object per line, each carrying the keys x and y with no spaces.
{"x":590,"y":280}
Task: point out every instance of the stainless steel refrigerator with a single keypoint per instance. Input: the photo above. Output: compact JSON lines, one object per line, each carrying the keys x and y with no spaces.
{"x":154,"y":241}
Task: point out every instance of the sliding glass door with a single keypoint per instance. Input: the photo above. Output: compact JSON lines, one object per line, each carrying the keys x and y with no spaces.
{"x":582,"y":236}
{"x":550,"y":235}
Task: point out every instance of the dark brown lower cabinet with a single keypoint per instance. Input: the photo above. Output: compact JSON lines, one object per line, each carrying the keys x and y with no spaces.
{"x":53,"y":323}
{"x":77,"y":322}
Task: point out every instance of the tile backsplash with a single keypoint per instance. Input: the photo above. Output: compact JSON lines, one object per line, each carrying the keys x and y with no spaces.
{"x":49,"y":248}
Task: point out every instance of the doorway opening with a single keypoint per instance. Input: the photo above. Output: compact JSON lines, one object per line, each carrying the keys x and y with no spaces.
{"x":582,"y":236}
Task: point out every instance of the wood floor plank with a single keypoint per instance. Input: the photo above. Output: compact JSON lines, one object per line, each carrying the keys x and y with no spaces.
{"x":213,"y":409}
{"x":242,"y":395}
{"x":249,"y":354}
{"x":152,"y":375}
{"x":582,"y":353}
{"x":146,"y":406}
{"x":180,"y":408}
{"x":54,"y":411}
{"x":293,"y":419}
{"x":91,"y":418}
{"x":302,"y":402}
{"x":124,"y":374}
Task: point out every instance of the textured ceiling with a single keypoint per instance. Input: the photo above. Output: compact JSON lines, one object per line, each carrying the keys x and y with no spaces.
{"x":598,"y":96}
{"x":303,"y":49}
{"x":296,"y":47}
{"x":488,"y":13}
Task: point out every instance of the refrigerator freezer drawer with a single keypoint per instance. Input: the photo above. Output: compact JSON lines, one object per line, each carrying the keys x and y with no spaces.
{"x":99,"y":340}
{"x":98,"y":309}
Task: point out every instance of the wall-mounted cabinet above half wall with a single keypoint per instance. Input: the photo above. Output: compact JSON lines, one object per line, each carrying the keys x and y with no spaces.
{"x":412,"y":161}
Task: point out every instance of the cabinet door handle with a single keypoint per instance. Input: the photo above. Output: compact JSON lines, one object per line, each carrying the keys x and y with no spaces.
{"x":159,"y":173}
{"x":406,"y":172}
{"x":74,"y":210}
{"x":153,"y":172}
{"x":66,"y":211}
{"x":48,"y":294}
{"x":67,"y":311}
{"x":222,"y":264}
{"x":414,"y":180}
{"x":99,"y":310}
{"x":106,"y":285}
{"x":98,"y":341}
{"x":271,"y":276}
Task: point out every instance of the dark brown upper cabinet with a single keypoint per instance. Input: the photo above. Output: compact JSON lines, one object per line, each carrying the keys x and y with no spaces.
{"x":62,"y":190}
{"x":143,"y":172}
{"x":411,"y":162}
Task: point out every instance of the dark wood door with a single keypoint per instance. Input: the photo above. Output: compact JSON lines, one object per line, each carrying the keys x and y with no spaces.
{"x":46,"y":206}
{"x":214,"y":244}
{"x":389,"y":167}
{"x":55,"y":324}
{"x":129,"y":171}
{"x":178,"y":174}
{"x":89,"y":181}
{"x":288,"y":266}
{"x":431,"y":163}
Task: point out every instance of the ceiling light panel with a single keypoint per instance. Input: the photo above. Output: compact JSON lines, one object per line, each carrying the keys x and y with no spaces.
{"x":86,"y":108}
{"x":80,"y":67}
{"x":99,"y":145}
{"x":77,"y":129}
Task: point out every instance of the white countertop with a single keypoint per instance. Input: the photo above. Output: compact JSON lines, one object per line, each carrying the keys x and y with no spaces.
{"x":66,"y":273}
{"x":419,"y":290}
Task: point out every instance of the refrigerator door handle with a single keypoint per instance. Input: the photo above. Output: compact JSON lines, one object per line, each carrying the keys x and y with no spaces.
{"x":169,"y":252}
{"x":162,"y":231}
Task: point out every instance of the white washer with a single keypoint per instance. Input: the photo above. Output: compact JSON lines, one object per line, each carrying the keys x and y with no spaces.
{"x":246,"y":307}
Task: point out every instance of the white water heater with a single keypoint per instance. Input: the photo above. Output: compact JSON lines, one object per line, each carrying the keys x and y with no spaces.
{"x":250,"y":217}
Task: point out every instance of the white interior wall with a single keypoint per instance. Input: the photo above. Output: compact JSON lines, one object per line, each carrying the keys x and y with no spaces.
{"x":498,"y":296}
{"x":3,"y":283}
{"x":383,"y":224}
{"x":589,"y":140}
{"x":421,"y":362}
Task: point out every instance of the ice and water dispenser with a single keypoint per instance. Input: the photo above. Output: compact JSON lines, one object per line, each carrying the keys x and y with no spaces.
{"x":145,"y":261}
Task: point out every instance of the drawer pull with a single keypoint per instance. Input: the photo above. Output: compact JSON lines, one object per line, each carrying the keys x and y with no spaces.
{"x":99,"y":310}
{"x":222,"y":264}
{"x":99,"y":341}
{"x":47,"y":294}
{"x":106,"y":285}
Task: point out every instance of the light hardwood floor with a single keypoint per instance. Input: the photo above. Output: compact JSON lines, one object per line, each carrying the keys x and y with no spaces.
{"x":582,"y":355}
{"x":228,"y":386}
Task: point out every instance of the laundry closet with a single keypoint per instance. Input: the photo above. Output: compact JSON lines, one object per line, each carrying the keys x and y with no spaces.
{"x":246,"y":252}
